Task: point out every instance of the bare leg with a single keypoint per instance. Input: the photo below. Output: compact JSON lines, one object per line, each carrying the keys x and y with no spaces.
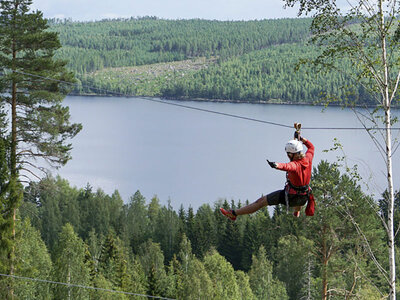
{"x":297,"y":208}
{"x":253,"y":207}
{"x":296,"y":212}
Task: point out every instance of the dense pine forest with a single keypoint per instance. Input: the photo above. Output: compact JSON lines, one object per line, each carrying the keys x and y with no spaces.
{"x":145,"y":247}
{"x":246,"y":61}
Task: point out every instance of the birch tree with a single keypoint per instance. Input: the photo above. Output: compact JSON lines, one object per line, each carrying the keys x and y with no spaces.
{"x":366,"y":33}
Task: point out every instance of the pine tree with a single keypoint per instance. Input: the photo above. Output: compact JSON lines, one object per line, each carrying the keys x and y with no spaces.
{"x":153,"y":212}
{"x":39,"y":124}
{"x":137,"y":221}
{"x":205,"y":228}
{"x":230,"y":242}
{"x":38,"y":119}
{"x":190,"y":230}
{"x":152,"y":261}
{"x":166,"y":230}
{"x":114,"y":263}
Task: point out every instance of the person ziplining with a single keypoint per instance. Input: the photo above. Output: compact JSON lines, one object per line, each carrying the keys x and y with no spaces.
{"x":297,"y":191}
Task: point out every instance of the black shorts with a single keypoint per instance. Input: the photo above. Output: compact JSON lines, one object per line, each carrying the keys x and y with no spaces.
{"x":278,"y":197}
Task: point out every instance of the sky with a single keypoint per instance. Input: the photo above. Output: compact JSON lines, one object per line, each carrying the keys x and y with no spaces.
{"x":90,"y":10}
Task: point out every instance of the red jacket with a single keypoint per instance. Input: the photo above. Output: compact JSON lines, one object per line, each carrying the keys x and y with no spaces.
{"x":299,"y":171}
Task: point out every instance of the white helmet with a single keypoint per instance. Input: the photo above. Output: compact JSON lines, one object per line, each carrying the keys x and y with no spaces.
{"x":294,"y":146}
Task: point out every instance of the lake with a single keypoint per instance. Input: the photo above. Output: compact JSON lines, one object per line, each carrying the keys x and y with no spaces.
{"x":191,"y":157}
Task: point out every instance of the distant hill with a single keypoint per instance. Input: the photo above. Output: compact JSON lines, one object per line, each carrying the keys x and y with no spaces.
{"x":252,"y":61}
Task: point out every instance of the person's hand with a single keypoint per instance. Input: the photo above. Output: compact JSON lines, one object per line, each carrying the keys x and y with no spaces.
{"x":297,"y":135}
{"x":272,"y":164}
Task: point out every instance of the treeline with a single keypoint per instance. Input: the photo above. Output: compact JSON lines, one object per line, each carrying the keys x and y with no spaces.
{"x":91,"y":46}
{"x":86,"y":237}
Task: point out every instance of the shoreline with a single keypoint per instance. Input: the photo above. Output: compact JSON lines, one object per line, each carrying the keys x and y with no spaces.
{"x":272,"y":101}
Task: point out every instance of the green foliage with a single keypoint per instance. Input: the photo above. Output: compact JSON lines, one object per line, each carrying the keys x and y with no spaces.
{"x":205,"y":230}
{"x":230,"y":242}
{"x":243,"y":283}
{"x":117,"y":267}
{"x":289,"y":257}
{"x":94,"y":239}
{"x":190,"y":278}
{"x":167,"y":218}
{"x":38,"y":128}
{"x":222,"y":276}
{"x":359,"y":35}
{"x":151,"y":259}
{"x":292,"y":257}
{"x":266,"y":75}
{"x":136,"y":221}
{"x":32,"y":260}
{"x":347,"y":234}
{"x":197,"y":283}
{"x":262,"y":281}
{"x":69,"y":265}
{"x":252,"y":61}
{"x":116,"y":43}
{"x":383,"y":208}
{"x":99,"y":281}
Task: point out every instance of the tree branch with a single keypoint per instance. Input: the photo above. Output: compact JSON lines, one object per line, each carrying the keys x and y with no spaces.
{"x":30,"y":172}
{"x":395,"y":87}
{"x":368,"y":247}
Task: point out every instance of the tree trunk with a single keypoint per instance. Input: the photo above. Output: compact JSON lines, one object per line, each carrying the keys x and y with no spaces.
{"x":69,"y":282}
{"x":13,"y":159}
{"x":325,"y":258}
{"x":388,"y":140}
{"x":13,"y":163}
{"x":324,"y":280}
{"x":392,"y":263}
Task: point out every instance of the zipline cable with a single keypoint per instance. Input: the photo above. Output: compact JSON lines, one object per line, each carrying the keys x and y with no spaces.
{"x":83,"y":286}
{"x":205,"y":110}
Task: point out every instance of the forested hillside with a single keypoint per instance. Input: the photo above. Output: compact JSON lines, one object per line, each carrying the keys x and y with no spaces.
{"x":251,"y":61}
{"x":91,"y":46}
{"x":149,"y":248}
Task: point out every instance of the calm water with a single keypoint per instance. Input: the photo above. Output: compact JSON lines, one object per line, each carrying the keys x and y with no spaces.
{"x":192,"y":157}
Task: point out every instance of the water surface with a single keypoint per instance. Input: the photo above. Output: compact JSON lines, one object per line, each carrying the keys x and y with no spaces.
{"x":193,"y":157}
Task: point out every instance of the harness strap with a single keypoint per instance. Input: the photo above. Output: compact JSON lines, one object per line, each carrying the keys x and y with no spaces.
{"x":304,"y":189}
{"x":300,"y":190}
